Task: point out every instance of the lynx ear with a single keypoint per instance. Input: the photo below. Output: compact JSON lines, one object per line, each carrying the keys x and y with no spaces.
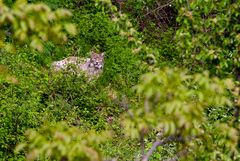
{"x":102,"y":54}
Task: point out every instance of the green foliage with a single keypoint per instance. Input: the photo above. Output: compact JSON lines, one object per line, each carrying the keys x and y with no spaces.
{"x":20,"y":103}
{"x":120,"y":65}
{"x":34,"y":23}
{"x":95,"y":30}
{"x":220,"y":141}
{"x":60,"y":142}
{"x":209,"y":35}
{"x":121,"y":148}
{"x":5,"y":76}
{"x":165,"y":50}
{"x":172,"y":94}
{"x":40,"y":95}
{"x":189,"y":114}
{"x":85,"y":101}
{"x":173,"y":102}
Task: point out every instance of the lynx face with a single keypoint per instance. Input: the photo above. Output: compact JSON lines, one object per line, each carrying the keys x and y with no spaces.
{"x":97,"y":61}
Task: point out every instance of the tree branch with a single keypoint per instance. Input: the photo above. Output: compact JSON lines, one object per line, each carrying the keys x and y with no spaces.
{"x":162,"y":142}
{"x":158,"y":8}
{"x":142,"y":144}
{"x":236,"y":114}
{"x":155,"y":145}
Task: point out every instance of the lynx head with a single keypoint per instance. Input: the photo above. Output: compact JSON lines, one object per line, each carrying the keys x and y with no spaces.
{"x":97,"y":60}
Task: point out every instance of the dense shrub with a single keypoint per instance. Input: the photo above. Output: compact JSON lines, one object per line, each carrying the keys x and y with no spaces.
{"x":174,"y":104}
{"x":40,"y":95}
{"x":74,"y":94}
{"x":179,"y":113}
{"x":153,"y":18}
{"x":60,"y":142}
{"x":208,"y":37}
{"x":122,"y":67}
{"x":94,"y":31}
{"x":20,"y":103}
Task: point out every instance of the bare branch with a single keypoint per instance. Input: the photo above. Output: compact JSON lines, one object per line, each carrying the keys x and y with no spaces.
{"x":158,"y":8}
{"x":142,"y":144}
{"x":236,"y":114}
{"x":156,"y":144}
{"x":162,"y":142}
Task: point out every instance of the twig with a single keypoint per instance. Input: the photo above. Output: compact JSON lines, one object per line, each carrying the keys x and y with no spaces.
{"x":236,"y":114}
{"x":156,"y":144}
{"x":158,"y":8}
{"x":142,"y":144}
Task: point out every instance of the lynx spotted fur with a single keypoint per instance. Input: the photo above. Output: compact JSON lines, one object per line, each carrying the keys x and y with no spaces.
{"x":93,"y":66}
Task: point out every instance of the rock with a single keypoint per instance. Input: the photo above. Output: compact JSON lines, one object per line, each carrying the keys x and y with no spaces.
{"x":92,"y":66}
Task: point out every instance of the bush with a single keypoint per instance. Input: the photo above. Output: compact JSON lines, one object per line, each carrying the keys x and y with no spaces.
{"x":20,"y":103}
{"x":208,"y":37}
{"x":60,"y":142}
{"x":122,"y":67}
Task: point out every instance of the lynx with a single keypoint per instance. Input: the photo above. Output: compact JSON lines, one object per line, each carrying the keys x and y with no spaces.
{"x":92,"y":66}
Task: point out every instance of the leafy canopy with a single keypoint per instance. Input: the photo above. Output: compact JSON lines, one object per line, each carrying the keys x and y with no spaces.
{"x":33,"y":23}
{"x":174,"y":104}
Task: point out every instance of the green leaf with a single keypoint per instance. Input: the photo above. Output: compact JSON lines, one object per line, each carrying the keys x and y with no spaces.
{"x":70,"y":28}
